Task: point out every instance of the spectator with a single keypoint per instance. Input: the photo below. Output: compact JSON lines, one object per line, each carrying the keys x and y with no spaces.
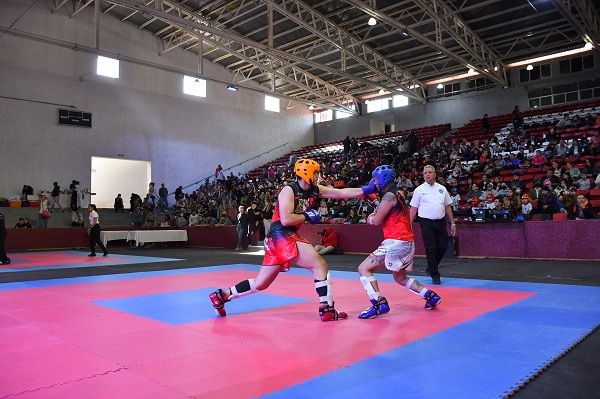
{"x":329,"y":241}
{"x":512,"y":202}
{"x":194,"y":219}
{"x":242,"y":226}
{"x":574,"y":172}
{"x":353,"y":217}
{"x":546,"y":203}
{"x":167,"y":222}
{"x":485,"y":124}
{"x":135,"y":201}
{"x":55,"y":194}
{"x":583,"y":182}
{"x":517,"y":118}
{"x":27,"y":190}
{"x":550,"y":180}
{"x":475,"y":192}
{"x":581,"y":209}
{"x":254,"y":219}
{"x":119,"y":206}
{"x":591,"y":169}
{"x":77,"y":219}
{"x":561,"y":150}
{"x":163,"y":198}
{"x":181,"y":220}
{"x":526,"y":207}
{"x":363,"y":217}
{"x":516,"y":182}
{"x":455,"y":198}
{"x":267,"y":214}
{"x":43,"y":212}
{"x":138,"y":216}
{"x":539,"y":160}
{"x":224,"y":220}
{"x":23,"y":224}
{"x":150,"y":221}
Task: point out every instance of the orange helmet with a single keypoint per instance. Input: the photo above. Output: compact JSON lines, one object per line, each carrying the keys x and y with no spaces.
{"x":306,"y":168}
{"x":525,"y":199}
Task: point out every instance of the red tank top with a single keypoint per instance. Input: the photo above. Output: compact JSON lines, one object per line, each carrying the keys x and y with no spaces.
{"x":303,"y":201}
{"x":396,"y":224}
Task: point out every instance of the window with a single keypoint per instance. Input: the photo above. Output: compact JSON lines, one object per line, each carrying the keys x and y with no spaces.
{"x":342,"y":115}
{"x":323,"y":116}
{"x":538,"y":72}
{"x":564,"y":93}
{"x":449,"y":89}
{"x":378,"y":104}
{"x":480,"y":84}
{"x":107,"y":67}
{"x":399,"y":101}
{"x":576,"y":64}
{"x":271,"y":104}
{"x":194,"y":86}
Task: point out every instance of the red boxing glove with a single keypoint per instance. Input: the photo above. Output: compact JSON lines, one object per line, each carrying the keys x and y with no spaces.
{"x":371,"y":217}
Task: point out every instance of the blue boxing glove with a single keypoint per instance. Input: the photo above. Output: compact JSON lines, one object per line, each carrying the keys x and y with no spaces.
{"x":312,"y":216}
{"x":371,"y":188}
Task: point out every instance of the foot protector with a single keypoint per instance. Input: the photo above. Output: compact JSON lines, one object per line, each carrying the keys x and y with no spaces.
{"x":218,"y":302}
{"x":431,"y":300}
{"x":379,"y":307}
{"x":328,"y":313}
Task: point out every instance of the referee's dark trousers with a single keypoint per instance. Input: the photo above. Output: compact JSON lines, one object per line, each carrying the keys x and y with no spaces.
{"x":435,"y":239}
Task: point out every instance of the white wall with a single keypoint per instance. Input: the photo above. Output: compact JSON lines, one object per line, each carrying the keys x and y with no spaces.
{"x":143,"y":115}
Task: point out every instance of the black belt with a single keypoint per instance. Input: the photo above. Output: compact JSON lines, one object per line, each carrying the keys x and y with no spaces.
{"x":432,"y":220}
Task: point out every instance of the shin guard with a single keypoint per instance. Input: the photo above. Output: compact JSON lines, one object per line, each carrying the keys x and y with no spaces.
{"x":366,"y":282}
{"x":323,"y":288}
{"x":243,"y":288}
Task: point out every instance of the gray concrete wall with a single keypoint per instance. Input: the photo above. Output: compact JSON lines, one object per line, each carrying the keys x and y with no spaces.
{"x":143,"y":115}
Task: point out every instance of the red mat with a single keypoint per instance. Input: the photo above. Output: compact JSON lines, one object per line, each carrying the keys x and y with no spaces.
{"x":57,"y":343}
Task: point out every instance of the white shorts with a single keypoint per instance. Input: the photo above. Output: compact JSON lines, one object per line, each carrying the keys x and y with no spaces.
{"x":398,"y":255}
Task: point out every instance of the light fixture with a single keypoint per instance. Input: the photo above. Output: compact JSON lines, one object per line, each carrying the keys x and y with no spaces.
{"x":588,"y":45}
{"x":311,"y":107}
{"x":372,"y":21}
{"x":404,"y":33}
{"x":381,"y":91}
{"x":471,"y":71}
{"x":530,"y":67}
{"x":440,"y":86}
{"x":232,"y":88}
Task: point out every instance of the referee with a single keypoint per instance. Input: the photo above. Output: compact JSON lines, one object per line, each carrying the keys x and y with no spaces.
{"x":432,"y":202}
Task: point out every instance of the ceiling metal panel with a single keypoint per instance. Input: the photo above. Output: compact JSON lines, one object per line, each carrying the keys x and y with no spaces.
{"x":323,"y":52}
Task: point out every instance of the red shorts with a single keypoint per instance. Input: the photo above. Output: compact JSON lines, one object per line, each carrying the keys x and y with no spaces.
{"x":281,"y":248}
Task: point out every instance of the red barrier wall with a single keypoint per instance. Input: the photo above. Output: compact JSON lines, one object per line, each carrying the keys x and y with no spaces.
{"x":566,"y":239}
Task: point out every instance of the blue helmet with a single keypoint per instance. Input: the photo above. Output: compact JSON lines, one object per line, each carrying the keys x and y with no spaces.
{"x":384,"y":174}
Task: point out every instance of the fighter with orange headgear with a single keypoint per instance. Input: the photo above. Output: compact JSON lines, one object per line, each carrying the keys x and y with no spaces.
{"x":284,"y":246}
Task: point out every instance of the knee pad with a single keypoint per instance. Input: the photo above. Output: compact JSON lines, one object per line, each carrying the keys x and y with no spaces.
{"x":323,"y":288}
{"x":244,"y":288}
{"x":366,"y":282}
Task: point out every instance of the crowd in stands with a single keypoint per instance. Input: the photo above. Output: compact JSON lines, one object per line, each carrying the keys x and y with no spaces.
{"x":519,"y":171}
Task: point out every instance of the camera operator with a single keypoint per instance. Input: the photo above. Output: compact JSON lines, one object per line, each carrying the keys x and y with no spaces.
{"x":329,"y":241}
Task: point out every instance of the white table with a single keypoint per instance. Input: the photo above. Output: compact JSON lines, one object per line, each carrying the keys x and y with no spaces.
{"x":143,"y":236}
{"x":106,"y":236}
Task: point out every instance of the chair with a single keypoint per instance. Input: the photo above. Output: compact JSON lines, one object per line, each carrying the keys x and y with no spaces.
{"x":560,"y":216}
{"x":594,"y":194}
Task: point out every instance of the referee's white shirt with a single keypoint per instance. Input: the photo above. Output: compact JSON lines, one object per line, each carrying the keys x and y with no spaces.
{"x":431,"y":200}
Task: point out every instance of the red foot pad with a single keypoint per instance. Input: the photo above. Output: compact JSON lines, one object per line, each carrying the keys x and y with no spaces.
{"x":328,"y":313}
{"x":218,"y":302}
